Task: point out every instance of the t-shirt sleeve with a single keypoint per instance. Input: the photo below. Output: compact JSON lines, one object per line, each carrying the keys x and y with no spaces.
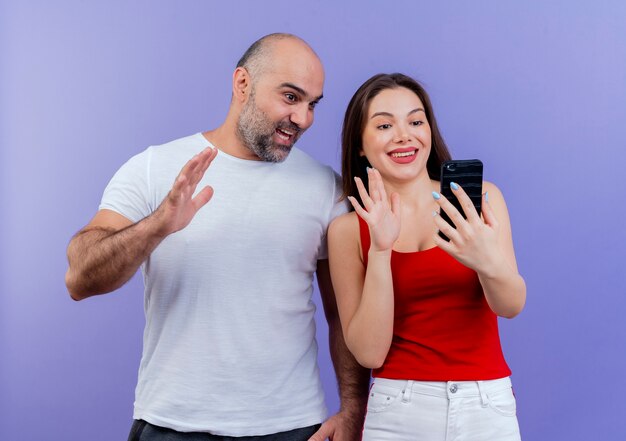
{"x":339,"y":206}
{"x":128,"y":192}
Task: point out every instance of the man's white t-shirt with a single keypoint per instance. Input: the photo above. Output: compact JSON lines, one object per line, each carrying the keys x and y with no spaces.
{"x":229,"y":342}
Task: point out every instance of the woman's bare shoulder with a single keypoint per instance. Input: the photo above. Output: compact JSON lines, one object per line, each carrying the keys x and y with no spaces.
{"x":344,"y":226}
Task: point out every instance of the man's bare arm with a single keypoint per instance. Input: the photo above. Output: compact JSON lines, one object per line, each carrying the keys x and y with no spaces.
{"x":108,"y":251}
{"x":102,"y":257}
{"x":352,"y":378}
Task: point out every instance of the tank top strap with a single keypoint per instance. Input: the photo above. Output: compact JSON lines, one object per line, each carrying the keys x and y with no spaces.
{"x":364,"y":233}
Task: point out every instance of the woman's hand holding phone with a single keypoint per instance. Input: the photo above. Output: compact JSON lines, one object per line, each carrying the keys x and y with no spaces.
{"x":473,"y":240}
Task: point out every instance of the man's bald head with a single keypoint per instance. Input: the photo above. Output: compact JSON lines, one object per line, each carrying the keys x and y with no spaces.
{"x":259,"y":55}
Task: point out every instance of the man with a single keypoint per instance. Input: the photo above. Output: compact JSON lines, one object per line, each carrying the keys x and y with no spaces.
{"x":229,"y":346}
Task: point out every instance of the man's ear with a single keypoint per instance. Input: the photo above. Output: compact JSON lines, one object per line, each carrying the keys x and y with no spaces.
{"x":241,"y":84}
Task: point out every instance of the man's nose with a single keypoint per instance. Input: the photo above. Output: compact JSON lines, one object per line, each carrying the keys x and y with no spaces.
{"x":302,"y":116}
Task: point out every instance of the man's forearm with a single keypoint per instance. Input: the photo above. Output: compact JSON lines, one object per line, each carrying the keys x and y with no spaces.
{"x":102,"y":259}
{"x":352,"y":378}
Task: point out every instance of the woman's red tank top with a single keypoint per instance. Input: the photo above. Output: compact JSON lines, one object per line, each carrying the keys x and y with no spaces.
{"x":443,"y":328}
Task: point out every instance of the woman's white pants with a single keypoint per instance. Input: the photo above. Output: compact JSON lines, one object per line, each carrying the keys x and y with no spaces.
{"x":441,"y":411}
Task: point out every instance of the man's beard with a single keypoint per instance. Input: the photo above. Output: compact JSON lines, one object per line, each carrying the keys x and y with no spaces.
{"x":256,"y":131}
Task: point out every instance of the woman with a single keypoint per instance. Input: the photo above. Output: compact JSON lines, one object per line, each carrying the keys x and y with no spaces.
{"x":418,"y":310}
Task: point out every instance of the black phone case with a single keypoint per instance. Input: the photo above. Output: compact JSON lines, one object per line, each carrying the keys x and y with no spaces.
{"x":468,"y":173}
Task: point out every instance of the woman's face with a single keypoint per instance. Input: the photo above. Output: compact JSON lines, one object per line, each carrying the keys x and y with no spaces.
{"x":396,"y":136}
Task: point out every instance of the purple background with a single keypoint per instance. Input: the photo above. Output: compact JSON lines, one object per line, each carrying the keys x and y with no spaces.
{"x":535,"y":89}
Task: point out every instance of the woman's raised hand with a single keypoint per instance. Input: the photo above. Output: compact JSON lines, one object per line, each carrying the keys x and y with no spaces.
{"x":381,"y":213}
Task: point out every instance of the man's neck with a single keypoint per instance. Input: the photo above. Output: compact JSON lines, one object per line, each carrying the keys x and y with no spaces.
{"x":225,"y":139}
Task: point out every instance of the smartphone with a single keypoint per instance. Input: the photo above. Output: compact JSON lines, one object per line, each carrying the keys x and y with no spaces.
{"x":468,"y":173}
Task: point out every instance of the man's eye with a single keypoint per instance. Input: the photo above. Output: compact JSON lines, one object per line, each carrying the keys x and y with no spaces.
{"x":312,"y":105}
{"x":290,"y":96}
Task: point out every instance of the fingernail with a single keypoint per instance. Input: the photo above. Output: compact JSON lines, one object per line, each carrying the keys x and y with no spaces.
{"x":435,"y":213}
{"x":369,"y":169}
{"x":436,"y":195}
{"x":486,"y":196}
{"x":454,"y":186}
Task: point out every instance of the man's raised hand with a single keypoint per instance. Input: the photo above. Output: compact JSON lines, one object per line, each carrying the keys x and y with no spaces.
{"x":179,"y":206}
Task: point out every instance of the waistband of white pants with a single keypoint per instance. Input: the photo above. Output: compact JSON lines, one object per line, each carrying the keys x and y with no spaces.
{"x":449,"y":389}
